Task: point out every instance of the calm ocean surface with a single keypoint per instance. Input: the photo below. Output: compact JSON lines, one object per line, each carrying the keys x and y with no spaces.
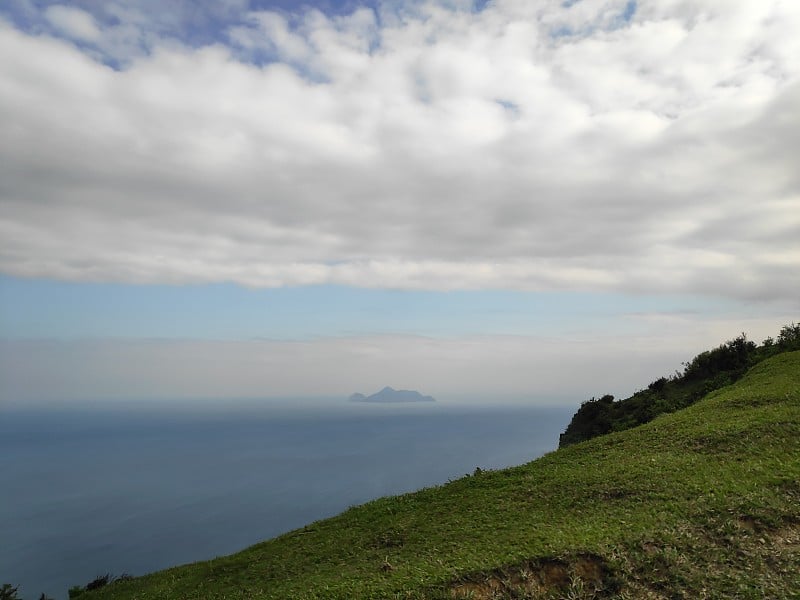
{"x":87,"y":491}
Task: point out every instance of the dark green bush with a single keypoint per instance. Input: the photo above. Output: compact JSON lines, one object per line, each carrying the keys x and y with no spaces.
{"x":706,"y":372}
{"x":9,"y":592}
{"x":95,"y":584}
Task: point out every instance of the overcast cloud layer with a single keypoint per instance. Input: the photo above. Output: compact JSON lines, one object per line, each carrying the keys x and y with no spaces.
{"x":597,"y":144}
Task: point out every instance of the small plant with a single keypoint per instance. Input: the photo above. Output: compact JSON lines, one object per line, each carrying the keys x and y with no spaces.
{"x":578,"y":591}
{"x":9,"y":592}
{"x":98,"y":582}
{"x":789,"y":337}
{"x":76,"y":591}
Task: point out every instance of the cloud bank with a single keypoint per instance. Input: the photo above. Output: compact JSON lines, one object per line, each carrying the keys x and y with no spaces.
{"x":569,"y":367}
{"x":593,"y":145}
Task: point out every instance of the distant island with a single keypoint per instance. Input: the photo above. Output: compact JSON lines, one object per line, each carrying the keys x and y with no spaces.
{"x":389,"y":395}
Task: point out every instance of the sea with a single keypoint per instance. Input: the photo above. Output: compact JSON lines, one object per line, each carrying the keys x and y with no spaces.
{"x":87,"y":490}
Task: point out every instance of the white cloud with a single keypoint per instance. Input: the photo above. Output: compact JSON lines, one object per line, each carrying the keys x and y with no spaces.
{"x":73,"y":22}
{"x":433,"y":148}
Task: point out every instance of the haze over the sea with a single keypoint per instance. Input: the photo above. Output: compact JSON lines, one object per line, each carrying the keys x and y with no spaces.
{"x":498,"y":201}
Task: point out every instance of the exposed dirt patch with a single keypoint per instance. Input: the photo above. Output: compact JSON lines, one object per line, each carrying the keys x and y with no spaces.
{"x":712,"y":444}
{"x":586,"y":574}
{"x":749,"y":524}
{"x":650,"y":548}
{"x":791,"y":489}
{"x":616,"y":494}
{"x":389,"y":539}
{"x":590,"y":569}
{"x":786,"y":537}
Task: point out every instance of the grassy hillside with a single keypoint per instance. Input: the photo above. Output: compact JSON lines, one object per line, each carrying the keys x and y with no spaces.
{"x":700,"y":503}
{"x":706,"y":372}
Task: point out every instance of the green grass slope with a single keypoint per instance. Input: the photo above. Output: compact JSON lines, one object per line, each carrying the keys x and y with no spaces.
{"x":701,"y":503}
{"x":706,"y":372}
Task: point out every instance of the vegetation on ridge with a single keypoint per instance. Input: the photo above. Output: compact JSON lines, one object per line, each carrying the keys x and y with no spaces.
{"x":700,"y":503}
{"x":706,"y":372}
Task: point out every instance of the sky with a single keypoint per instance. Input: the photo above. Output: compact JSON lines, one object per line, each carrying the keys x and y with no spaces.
{"x":512,"y":200}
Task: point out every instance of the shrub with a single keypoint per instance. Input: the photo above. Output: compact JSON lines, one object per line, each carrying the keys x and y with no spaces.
{"x":95,"y":584}
{"x":706,"y":372}
{"x":789,"y":337}
{"x":9,"y":592}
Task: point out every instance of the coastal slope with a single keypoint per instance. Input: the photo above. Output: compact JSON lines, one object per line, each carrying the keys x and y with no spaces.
{"x":700,"y":503}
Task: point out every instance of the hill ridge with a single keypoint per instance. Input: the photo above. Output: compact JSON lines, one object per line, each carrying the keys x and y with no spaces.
{"x":706,"y":372}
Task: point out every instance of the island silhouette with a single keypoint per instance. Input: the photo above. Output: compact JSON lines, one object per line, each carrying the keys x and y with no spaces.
{"x":390,"y":395}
